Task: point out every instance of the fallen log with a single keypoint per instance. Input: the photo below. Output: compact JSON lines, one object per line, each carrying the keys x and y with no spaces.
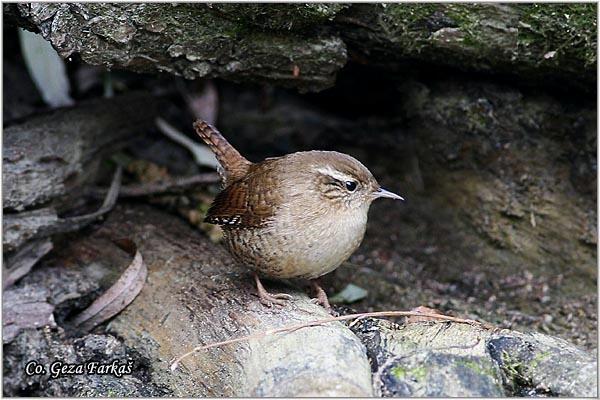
{"x":196,"y":294}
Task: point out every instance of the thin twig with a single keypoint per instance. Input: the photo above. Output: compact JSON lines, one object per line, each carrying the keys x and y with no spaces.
{"x":291,"y":328}
{"x":75,"y":223}
{"x":70,"y":224}
{"x":25,"y":258}
{"x":163,"y":186}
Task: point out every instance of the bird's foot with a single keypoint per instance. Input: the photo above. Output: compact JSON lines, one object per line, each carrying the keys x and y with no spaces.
{"x":268,"y":299}
{"x":321,"y":295}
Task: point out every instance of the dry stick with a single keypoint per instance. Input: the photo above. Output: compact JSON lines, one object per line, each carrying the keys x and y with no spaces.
{"x":70,"y":224}
{"x":163,"y":186}
{"x":292,"y":328}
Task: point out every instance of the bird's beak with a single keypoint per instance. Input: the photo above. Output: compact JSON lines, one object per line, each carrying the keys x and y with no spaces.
{"x":381,"y":192}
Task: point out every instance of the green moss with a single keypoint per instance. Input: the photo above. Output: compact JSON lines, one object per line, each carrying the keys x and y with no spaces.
{"x":539,"y":357}
{"x":568,"y":29}
{"x":520,"y":37}
{"x":478,"y":367}
{"x":516,"y":371}
{"x":278,"y":16}
{"x":399,"y":372}
{"x":418,"y":373}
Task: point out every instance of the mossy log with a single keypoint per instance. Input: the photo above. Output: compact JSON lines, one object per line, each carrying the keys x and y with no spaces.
{"x":304,"y":46}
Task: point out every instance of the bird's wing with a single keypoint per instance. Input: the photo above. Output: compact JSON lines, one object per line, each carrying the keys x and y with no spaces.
{"x":246,"y":203}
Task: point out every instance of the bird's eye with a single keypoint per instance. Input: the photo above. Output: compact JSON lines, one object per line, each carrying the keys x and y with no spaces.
{"x":351,"y":185}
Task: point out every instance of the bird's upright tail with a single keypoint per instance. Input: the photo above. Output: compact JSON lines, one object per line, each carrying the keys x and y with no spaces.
{"x":233,"y":163}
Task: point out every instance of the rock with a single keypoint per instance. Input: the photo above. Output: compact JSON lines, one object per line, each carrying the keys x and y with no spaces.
{"x":537,"y":364}
{"x":50,"y":156}
{"x":51,"y":350}
{"x":432,"y":359}
{"x":428,"y":374}
{"x":498,"y":39}
{"x":23,"y":309}
{"x":18,"y":228}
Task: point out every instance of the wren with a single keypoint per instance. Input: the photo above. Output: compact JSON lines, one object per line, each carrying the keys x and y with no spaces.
{"x":296,"y":216}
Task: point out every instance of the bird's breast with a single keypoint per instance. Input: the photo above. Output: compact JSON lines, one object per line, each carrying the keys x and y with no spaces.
{"x":300,"y":246}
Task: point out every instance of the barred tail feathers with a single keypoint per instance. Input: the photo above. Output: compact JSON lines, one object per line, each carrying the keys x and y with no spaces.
{"x":233,"y":163}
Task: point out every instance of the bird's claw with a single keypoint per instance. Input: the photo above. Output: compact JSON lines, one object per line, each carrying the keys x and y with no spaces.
{"x":278,"y":299}
{"x":322,"y":302}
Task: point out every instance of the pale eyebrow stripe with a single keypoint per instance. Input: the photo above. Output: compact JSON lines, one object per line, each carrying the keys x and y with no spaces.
{"x":335,"y":174}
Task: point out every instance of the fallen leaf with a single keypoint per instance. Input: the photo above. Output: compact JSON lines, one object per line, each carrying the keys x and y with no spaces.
{"x":118,"y":296}
{"x":350,"y":294}
{"x":46,"y":68}
{"x":75,"y":223}
{"x":205,"y":104}
{"x":202,"y":154}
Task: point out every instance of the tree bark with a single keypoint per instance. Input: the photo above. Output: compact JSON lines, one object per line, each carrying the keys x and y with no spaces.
{"x":304,"y":46}
{"x":48,"y":159}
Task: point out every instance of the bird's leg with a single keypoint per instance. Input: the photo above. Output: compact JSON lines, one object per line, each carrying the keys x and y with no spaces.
{"x":268,"y":299}
{"x":321,"y":295}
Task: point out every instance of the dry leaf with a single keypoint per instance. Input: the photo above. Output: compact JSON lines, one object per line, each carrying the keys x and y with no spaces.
{"x":117,"y":297}
{"x":350,"y":294}
{"x":202,"y":154}
{"x":74,"y":223}
{"x":46,"y":68}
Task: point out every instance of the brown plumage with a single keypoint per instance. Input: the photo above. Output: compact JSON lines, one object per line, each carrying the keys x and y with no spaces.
{"x":234,"y":165}
{"x":296,"y":216}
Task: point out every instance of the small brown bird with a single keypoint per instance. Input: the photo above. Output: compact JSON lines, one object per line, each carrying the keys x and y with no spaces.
{"x":296,"y":216}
